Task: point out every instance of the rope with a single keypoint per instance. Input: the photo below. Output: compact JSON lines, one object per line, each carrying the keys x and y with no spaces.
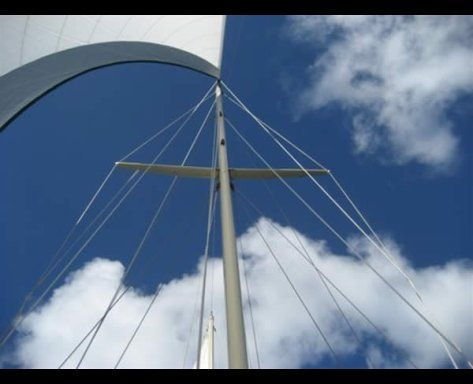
{"x":190,"y":110}
{"x":40,"y":299}
{"x":375,"y":235}
{"x":381,"y":247}
{"x":92,"y":329}
{"x":194,"y":316}
{"x":214,"y":162}
{"x":357,"y":226}
{"x":19,"y":314}
{"x":95,"y":195}
{"x":145,"y":267}
{"x":324,"y":283}
{"x":210,"y":218}
{"x":99,"y":215}
{"x":212,"y":199}
{"x":157,"y":134}
{"x":309,"y":259}
{"x":327,"y":279}
{"x":48,"y":270}
{"x":158,"y":290}
{"x":138,"y":250}
{"x":212,"y":272}
{"x":206,"y":97}
{"x":317,"y":326}
{"x":108,"y":216}
{"x":194,"y":312}
{"x":248,"y":295}
{"x":422,"y":316}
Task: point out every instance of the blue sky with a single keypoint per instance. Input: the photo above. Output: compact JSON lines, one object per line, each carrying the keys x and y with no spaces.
{"x":58,"y":151}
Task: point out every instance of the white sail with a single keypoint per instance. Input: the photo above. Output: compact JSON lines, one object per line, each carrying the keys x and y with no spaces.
{"x":207,"y":347}
{"x":40,"y":52}
{"x":25,"y":38}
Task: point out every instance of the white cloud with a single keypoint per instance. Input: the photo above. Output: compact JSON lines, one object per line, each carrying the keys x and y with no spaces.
{"x":286,"y":336}
{"x":397,"y":75}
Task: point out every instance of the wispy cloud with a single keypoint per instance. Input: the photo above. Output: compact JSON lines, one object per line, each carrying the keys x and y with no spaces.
{"x":285,"y":334}
{"x":397,"y":75}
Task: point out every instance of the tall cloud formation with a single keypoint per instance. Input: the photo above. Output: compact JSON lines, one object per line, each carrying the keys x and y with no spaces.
{"x":286,"y":336}
{"x":397,"y":75}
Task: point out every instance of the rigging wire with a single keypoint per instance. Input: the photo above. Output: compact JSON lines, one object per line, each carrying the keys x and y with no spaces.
{"x":148,"y":230}
{"x":194,"y":316}
{"x":49,"y":268}
{"x":327,"y":279}
{"x":45,"y":275}
{"x":155,"y":296}
{"x":29,"y":296}
{"x":419,"y":296}
{"x":95,"y":195}
{"x":207,"y":96}
{"x":212,"y":269}
{"x":375,"y":235}
{"x":210,"y":219}
{"x":345,"y":213}
{"x":97,"y":217}
{"x":93,"y":328}
{"x":212,"y":200}
{"x":309,"y":259}
{"x":147,"y":141}
{"x":19,"y":317}
{"x":324,"y":283}
{"x":194,"y":312}
{"x":135,"y":255}
{"x":248,"y":296}
{"x":191,"y":110}
{"x":381,"y":247}
{"x":384,"y":251}
{"x":250,"y":306}
{"x":74,"y":257}
{"x":357,"y":210}
{"x":214,"y":162}
{"x":350,"y":247}
{"x":143,"y":269}
{"x":299,"y":297}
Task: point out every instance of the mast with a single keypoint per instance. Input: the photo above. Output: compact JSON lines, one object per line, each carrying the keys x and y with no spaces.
{"x":236,"y":340}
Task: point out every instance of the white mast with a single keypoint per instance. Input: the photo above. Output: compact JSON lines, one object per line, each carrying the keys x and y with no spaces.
{"x":236,"y":340}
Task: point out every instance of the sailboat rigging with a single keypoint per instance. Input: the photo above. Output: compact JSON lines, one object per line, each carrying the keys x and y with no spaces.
{"x":196,"y":43}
